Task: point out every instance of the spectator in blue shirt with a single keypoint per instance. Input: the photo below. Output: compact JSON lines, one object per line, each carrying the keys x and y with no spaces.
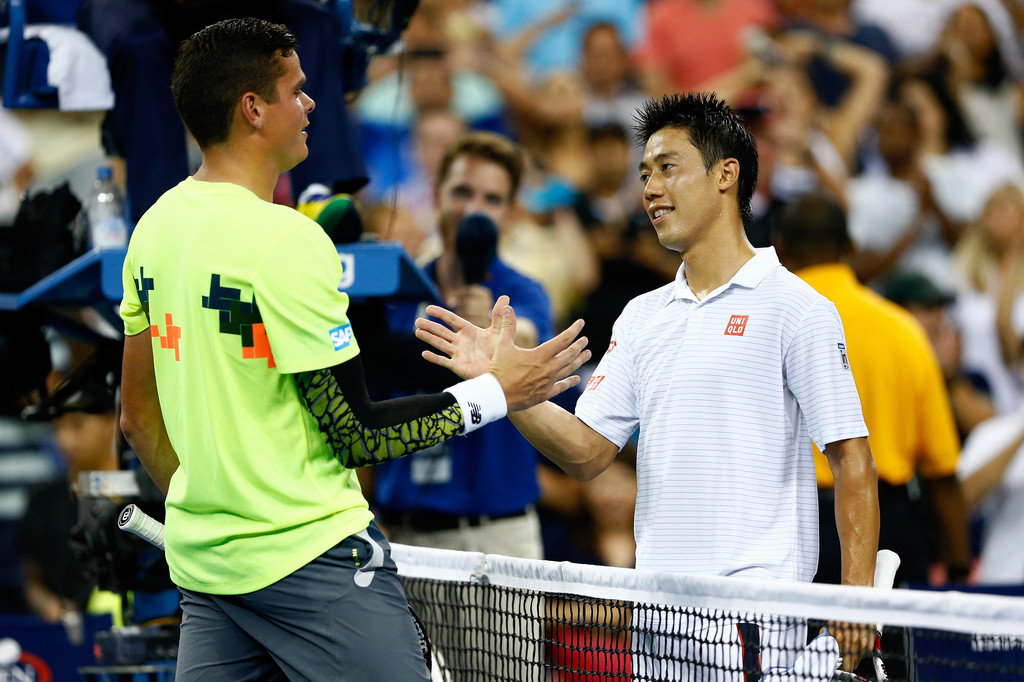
{"x":474,"y":493}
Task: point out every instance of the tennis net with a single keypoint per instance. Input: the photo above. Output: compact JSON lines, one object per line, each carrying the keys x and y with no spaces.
{"x":493,"y":618}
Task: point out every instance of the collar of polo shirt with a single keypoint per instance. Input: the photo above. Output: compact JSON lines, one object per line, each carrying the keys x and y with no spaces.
{"x":750,"y":275}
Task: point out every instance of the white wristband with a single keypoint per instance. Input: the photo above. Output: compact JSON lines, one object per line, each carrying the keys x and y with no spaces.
{"x":481,"y":399}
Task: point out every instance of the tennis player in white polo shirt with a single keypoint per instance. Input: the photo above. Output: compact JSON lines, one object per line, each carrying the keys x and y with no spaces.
{"x":729,"y":372}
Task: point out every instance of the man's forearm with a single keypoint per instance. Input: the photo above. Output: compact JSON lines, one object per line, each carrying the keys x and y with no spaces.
{"x":142,"y":419}
{"x":153,"y":448}
{"x":560,"y":436}
{"x":361,"y":433}
{"x":856,"y":486}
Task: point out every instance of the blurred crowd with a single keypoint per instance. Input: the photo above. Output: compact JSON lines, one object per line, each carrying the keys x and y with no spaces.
{"x":909,"y":112}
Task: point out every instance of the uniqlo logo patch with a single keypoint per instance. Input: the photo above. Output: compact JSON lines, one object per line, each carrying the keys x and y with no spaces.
{"x":737,"y":325}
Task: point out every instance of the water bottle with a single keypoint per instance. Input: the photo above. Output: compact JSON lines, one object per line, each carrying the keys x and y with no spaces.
{"x":104,"y":213}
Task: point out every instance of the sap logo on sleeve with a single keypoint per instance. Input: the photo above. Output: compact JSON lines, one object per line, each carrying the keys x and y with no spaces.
{"x":737,"y":325}
{"x":341,"y":336}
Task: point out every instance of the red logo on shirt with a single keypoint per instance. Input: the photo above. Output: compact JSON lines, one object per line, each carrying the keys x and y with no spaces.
{"x":171,"y":340}
{"x":260,"y":347}
{"x":611,"y":347}
{"x":594,"y":381}
{"x":737,"y":325}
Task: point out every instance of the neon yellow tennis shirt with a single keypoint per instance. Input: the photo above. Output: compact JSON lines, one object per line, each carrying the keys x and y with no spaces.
{"x":237,"y":295}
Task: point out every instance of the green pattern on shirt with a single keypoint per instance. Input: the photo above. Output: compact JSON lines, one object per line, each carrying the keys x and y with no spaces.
{"x":356,"y":445}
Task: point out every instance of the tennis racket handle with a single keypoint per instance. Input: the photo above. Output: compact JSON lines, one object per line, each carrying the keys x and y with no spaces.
{"x":134,"y":520}
{"x":886,"y":564}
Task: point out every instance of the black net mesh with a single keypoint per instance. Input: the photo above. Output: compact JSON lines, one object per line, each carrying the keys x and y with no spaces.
{"x":481,"y":632}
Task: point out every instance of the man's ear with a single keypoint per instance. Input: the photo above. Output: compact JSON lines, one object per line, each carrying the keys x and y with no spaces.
{"x":729,"y":174}
{"x":251,"y":109}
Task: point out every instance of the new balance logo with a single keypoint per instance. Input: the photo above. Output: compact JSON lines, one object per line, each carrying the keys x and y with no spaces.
{"x":475,"y":415}
{"x":737,"y":325}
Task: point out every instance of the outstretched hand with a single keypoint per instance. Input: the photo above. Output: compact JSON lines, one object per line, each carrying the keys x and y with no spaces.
{"x":467,"y":348}
{"x":527,"y":376}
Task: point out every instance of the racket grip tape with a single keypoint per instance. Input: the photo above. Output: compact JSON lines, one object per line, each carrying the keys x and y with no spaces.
{"x":134,"y":520}
{"x":886,"y":563}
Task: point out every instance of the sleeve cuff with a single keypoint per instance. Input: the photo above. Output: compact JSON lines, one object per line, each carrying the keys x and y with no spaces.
{"x":481,"y":400}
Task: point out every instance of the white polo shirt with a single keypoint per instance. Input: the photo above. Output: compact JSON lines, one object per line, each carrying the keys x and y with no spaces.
{"x":728,"y":393}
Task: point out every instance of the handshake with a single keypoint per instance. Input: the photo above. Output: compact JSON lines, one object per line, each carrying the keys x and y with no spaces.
{"x":527,"y":376}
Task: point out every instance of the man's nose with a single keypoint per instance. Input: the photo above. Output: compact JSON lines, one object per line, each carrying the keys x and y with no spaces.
{"x":653,"y":188}
{"x":476,"y":205}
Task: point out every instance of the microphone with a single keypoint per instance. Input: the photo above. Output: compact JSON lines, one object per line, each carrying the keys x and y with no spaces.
{"x":476,"y":244}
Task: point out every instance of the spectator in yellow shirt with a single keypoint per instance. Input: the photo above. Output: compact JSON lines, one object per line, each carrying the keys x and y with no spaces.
{"x":906,"y":407}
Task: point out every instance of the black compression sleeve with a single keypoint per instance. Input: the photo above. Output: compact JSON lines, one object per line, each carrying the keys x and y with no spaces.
{"x":361,"y":432}
{"x":352,"y":383}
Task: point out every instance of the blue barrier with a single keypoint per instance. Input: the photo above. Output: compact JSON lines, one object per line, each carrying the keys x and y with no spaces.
{"x":45,"y":653}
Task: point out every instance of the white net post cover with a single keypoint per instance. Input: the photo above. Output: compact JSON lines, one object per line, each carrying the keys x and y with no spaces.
{"x":493,"y":618}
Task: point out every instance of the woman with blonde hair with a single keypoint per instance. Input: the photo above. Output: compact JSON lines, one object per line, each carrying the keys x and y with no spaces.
{"x":990,"y":305}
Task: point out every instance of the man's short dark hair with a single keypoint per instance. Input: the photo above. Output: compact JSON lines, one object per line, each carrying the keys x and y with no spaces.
{"x":715,"y":130}
{"x":222,"y":62}
{"x":813,"y":229}
{"x":489,"y":147}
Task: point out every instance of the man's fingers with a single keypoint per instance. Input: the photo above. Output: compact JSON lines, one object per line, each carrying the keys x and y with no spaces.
{"x":446,"y":316}
{"x":441,"y":360}
{"x":435,"y":329}
{"x":507,"y":326}
{"x":496,"y":311}
{"x":578,"y":361}
{"x":561,"y":342}
{"x":573,"y":351}
{"x":855,"y":642}
{"x":437,"y":342}
{"x":572,"y":358}
{"x":563,"y":385}
{"x":849,"y":662}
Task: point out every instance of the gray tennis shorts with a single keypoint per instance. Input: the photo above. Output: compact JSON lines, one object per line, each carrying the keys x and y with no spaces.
{"x":343,"y":616}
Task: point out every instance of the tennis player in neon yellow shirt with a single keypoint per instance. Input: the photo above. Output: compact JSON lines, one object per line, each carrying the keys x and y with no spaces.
{"x":244,"y":397}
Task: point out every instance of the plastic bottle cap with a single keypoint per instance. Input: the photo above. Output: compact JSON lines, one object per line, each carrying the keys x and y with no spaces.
{"x":104,"y":173}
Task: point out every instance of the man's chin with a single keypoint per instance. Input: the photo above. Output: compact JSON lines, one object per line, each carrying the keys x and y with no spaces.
{"x":669,"y":242}
{"x":296,"y":160}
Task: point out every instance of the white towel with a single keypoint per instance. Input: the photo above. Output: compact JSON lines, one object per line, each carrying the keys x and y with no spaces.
{"x":77,"y":68}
